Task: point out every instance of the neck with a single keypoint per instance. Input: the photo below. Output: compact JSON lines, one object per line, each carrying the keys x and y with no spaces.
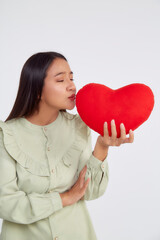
{"x":44,"y":116}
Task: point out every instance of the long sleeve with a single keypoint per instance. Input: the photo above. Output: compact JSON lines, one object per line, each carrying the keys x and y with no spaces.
{"x":17,"y":206}
{"x":97,"y":171}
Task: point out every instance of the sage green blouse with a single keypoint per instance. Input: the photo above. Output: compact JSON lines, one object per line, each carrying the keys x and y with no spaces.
{"x":36,"y":164}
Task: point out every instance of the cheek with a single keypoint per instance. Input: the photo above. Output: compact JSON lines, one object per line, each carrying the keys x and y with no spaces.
{"x":53,"y":92}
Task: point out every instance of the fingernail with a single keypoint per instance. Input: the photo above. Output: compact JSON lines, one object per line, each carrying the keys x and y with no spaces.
{"x":122,"y":124}
{"x":112,"y":121}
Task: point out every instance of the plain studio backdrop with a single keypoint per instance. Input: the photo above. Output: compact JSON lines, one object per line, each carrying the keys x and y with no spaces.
{"x":115,"y":43}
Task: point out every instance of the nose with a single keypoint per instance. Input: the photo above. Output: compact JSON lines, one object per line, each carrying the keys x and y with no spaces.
{"x":71,"y":85}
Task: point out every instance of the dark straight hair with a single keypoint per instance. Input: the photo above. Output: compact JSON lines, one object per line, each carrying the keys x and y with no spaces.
{"x":31,"y":83}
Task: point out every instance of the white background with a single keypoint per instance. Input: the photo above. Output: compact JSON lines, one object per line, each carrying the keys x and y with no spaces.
{"x":115,"y":43}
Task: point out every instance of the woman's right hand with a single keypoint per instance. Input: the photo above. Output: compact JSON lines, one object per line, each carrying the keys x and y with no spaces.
{"x":77,"y":191}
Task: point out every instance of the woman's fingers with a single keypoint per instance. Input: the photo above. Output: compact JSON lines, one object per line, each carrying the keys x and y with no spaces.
{"x":85,"y":187}
{"x":78,"y":189}
{"x":106,"y":140}
{"x":113,"y":130}
{"x":83,"y":169}
{"x":106,"y":134}
{"x":131,"y":137}
{"x":123,"y":132}
{"x":82,"y":176}
{"x":84,"y":183}
{"x":123,"y":138}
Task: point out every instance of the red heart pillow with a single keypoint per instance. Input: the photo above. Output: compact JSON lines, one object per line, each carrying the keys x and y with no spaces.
{"x":130,"y":105}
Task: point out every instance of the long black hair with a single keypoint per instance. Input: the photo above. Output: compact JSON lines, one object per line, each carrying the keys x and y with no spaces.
{"x":31,"y":83}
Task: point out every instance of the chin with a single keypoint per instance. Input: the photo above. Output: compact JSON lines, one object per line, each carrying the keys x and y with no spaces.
{"x":71,"y":107}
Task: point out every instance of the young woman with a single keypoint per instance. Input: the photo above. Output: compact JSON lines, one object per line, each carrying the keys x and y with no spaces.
{"x":47,"y":166}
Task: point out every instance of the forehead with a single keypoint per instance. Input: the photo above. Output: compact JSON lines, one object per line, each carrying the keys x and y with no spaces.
{"x":59,"y":66}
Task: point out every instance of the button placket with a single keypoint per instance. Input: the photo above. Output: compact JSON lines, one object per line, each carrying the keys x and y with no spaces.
{"x":45,"y":130}
{"x":49,"y":155}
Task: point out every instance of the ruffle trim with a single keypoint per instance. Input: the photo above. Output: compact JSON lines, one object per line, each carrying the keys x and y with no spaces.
{"x":81,"y":134}
{"x":21,"y":157}
{"x":30,"y":164}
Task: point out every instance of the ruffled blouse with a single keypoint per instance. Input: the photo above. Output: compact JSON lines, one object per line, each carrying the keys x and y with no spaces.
{"x":36,"y":164}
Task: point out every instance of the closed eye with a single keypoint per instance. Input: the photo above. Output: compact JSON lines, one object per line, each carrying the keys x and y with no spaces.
{"x":63,"y":80}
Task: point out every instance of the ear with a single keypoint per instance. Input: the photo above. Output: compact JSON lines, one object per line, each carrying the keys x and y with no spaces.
{"x":40,"y":97}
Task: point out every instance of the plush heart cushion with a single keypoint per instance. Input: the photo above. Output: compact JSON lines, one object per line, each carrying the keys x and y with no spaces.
{"x":130,"y":105}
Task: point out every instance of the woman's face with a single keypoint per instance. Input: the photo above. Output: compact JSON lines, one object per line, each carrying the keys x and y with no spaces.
{"x":59,"y":86}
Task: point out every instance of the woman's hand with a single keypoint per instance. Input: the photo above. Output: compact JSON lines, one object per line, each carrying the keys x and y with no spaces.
{"x":77,"y":191}
{"x":107,"y":141}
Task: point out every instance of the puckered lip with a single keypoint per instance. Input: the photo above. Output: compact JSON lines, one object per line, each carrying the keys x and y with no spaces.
{"x":73,"y":95}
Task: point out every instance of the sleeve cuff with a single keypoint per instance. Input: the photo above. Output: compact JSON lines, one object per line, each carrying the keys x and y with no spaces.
{"x":56,"y":201}
{"x":94,"y":162}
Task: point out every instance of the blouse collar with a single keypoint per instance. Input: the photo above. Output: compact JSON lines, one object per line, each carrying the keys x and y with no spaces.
{"x":50,"y":126}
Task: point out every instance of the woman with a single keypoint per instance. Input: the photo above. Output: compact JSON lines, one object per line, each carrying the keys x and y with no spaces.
{"x":47,"y":166}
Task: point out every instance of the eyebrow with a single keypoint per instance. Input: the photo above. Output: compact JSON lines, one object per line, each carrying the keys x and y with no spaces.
{"x":61,"y":73}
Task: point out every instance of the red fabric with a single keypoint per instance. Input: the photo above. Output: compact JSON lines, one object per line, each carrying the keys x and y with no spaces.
{"x":131,"y":105}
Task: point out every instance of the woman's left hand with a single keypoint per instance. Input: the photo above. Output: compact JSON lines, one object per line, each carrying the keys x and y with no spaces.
{"x":106,"y":140}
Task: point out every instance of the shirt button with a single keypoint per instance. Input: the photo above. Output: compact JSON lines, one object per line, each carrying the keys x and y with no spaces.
{"x":45,"y":128}
{"x":102,"y":165}
{"x":48,"y":148}
{"x":56,"y":238}
{"x":52,"y":170}
{"x":50,"y":191}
